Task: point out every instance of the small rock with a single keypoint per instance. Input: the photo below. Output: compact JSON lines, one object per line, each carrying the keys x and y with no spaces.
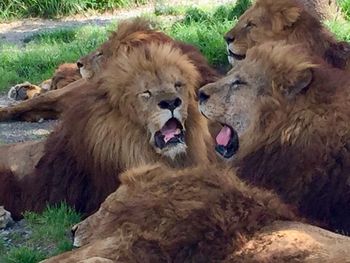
{"x":5,"y":218}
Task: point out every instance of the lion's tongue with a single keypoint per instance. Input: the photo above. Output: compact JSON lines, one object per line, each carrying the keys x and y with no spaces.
{"x":170,"y":130}
{"x":224,"y":136}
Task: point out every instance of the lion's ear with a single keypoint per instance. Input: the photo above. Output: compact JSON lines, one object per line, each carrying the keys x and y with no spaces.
{"x":291,"y":15}
{"x":300,"y":84}
{"x":285,"y":17}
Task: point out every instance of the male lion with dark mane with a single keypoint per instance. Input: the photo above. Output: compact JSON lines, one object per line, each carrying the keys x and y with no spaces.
{"x":130,"y":33}
{"x":271,"y":20}
{"x":285,"y":118}
{"x":201,"y":214}
{"x":140,"y":110}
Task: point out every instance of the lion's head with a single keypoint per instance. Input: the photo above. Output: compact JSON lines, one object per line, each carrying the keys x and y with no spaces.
{"x":270,"y":20}
{"x":130,"y":32}
{"x":153,"y":87}
{"x":242,"y":101}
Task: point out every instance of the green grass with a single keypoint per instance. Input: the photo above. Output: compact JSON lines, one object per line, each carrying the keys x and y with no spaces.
{"x":345,"y":7}
{"x":10,"y":9}
{"x":49,"y":236}
{"x":44,"y":52}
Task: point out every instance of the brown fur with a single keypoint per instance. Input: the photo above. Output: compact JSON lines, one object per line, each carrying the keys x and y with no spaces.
{"x":64,"y":75}
{"x":198,"y":215}
{"x":162,"y":215}
{"x":269,"y":20}
{"x":297,"y":140}
{"x":106,"y":132}
{"x":130,"y":34}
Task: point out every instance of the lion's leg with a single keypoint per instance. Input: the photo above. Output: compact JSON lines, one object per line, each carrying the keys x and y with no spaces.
{"x":17,"y":166}
{"x":24,"y":91}
{"x":46,"y":106}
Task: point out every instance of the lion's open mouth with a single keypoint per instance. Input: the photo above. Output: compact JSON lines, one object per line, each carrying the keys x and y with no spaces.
{"x":170,"y":134}
{"x":235,"y":56}
{"x":227,"y":142}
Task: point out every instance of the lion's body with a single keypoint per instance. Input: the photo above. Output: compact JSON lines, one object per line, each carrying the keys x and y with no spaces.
{"x":103,"y":133}
{"x":198,"y":215}
{"x":287,"y":20}
{"x":295,"y":138}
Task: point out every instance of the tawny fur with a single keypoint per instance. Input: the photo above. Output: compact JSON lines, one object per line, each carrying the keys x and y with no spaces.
{"x":198,"y":215}
{"x":269,"y":20}
{"x":103,"y":133}
{"x":163,"y":215}
{"x":64,"y":75}
{"x":298,"y":139}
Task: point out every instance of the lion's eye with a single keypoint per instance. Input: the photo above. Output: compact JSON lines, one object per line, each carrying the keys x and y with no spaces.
{"x":146,"y":94}
{"x":100,"y":53}
{"x":250,"y":24}
{"x":178,"y":84}
{"x":237,"y":82}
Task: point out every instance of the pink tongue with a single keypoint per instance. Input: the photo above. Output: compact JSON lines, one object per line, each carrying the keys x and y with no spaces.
{"x":224,"y":136}
{"x":170,"y":130}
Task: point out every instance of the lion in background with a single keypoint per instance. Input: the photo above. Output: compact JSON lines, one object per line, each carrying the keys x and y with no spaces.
{"x":140,"y":110}
{"x":288,"y":20}
{"x":64,"y":75}
{"x":201,"y":214}
{"x":136,"y":32}
{"x":286,"y":122}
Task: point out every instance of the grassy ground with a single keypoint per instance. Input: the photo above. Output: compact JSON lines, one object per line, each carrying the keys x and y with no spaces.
{"x":43,"y":53}
{"x":47,"y":236}
{"x":10,"y":9}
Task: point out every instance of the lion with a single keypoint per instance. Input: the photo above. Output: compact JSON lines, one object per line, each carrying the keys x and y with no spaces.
{"x":64,"y":75}
{"x":141,"y":110}
{"x":285,"y":122}
{"x":200,"y":214}
{"x":130,"y":33}
{"x":270,"y":20}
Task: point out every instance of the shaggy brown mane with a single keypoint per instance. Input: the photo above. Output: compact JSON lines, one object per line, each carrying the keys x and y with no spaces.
{"x":99,"y":136}
{"x":64,"y":75}
{"x":298,"y":140}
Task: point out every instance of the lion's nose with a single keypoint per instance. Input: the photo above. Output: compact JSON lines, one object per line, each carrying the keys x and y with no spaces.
{"x":170,"y":104}
{"x":202,"y":96}
{"x":229,"y":39}
{"x":79,"y":64}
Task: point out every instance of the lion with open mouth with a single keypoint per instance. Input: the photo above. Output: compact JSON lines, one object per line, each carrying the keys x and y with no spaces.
{"x":285,"y":118}
{"x":141,"y":110}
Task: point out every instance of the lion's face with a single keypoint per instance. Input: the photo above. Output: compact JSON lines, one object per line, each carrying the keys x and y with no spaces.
{"x":162,"y":105}
{"x":91,"y":64}
{"x":156,"y":87}
{"x":266,"y":20}
{"x":269,"y":73}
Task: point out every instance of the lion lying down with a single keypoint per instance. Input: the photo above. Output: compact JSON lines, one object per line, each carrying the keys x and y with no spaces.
{"x":271,"y":20}
{"x":285,"y":118}
{"x":64,"y":75}
{"x":141,"y":110}
{"x":198,"y":215}
{"x":134,"y":32}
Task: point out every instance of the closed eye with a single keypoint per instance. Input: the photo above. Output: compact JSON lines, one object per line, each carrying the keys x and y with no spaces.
{"x":146,"y":94}
{"x":250,"y":24}
{"x":237,"y":82}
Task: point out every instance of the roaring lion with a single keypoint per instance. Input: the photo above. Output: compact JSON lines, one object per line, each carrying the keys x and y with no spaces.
{"x":140,"y":110}
{"x":130,"y":33}
{"x":285,"y":120}
{"x":201,"y":214}
{"x":288,"y":20}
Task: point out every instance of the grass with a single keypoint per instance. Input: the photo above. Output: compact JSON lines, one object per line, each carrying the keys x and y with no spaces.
{"x":10,"y":9}
{"x":48,"y":236}
{"x":44,"y":52}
